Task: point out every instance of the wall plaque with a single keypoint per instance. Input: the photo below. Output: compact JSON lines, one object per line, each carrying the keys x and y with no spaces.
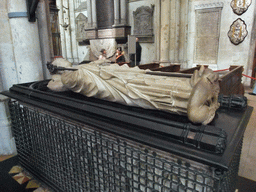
{"x":240,"y":6}
{"x":238,"y":31}
{"x":207,"y":35}
{"x":143,"y":23}
{"x":81,"y":25}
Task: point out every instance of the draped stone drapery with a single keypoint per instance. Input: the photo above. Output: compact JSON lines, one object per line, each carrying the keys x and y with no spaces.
{"x":108,"y":44}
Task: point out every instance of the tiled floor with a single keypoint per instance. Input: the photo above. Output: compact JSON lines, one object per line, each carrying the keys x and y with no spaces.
{"x":4,"y":157}
{"x":247,"y":167}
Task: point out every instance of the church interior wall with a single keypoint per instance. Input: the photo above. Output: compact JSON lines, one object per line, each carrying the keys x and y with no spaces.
{"x":177,"y":43}
{"x":149,"y":50}
{"x":228,"y":53}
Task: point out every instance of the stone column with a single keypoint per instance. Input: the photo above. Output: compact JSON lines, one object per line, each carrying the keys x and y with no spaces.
{"x":43,"y":16}
{"x":174,"y":31}
{"x":8,"y":77}
{"x":94,"y":14}
{"x":184,"y":7}
{"x":66,"y":26}
{"x":8,"y":68}
{"x":20,"y":58}
{"x":62,"y":33}
{"x":123,"y":9}
{"x":74,"y":46}
{"x":26,"y":46}
{"x":165,"y":34}
{"x":117,"y":12}
{"x":89,"y":13}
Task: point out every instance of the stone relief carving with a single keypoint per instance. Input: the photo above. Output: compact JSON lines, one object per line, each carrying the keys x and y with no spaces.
{"x":238,"y":31}
{"x":81,"y":25}
{"x":196,"y":97}
{"x":143,"y":22}
{"x":240,"y":6}
{"x":209,"y":5}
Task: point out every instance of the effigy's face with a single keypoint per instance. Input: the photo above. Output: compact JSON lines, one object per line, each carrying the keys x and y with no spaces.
{"x":56,"y":84}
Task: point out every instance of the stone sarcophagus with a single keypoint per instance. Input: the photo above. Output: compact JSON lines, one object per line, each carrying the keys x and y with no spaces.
{"x":72,"y":142}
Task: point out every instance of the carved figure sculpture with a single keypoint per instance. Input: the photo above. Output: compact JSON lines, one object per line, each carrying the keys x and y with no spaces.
{"x":196,"y":97}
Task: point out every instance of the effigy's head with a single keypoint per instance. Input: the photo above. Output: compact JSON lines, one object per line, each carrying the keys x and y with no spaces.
{"x":56,"y":68}
{"x":203,"y":101}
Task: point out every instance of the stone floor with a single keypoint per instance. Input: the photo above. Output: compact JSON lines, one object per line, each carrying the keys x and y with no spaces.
{"x":247,"y":167}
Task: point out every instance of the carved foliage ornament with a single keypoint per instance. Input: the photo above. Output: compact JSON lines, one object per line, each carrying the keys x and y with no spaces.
{"x":240,"y":6}
{"x":237,"y":32}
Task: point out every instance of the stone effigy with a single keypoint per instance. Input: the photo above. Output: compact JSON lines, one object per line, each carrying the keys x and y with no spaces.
{"x":196,"y":97}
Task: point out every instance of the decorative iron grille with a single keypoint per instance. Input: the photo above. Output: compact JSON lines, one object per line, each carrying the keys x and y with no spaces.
{"x":70,"y":156}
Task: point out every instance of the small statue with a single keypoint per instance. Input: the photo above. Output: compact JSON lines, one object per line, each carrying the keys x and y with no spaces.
{"x":196,"y":97}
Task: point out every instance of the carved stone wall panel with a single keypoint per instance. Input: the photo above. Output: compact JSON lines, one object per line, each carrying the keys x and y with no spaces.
{"x":106,"y":33}
{"x":81,"y":25}
{"x":238,"y":31}
{"x":206,"y":50}
{"x":120,"y":32}
{"x":207,"y":35}
{"x":91,"y":34}
{"x":240,"y":6}
{"x":143,"y":23}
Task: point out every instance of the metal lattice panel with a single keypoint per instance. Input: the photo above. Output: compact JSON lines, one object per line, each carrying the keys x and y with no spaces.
{"x":69,"y":156}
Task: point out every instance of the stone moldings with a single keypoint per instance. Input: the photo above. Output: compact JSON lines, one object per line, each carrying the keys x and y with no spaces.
{"x":207,"y":34}
{"x":209,"y":5}
{"x":238,"y":31}
{"x":81,"y":25}
{"x":143,"y":23}
{"x":240,"y":6}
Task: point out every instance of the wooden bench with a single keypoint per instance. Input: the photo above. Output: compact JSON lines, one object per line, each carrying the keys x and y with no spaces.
{"x":231,"y":81}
